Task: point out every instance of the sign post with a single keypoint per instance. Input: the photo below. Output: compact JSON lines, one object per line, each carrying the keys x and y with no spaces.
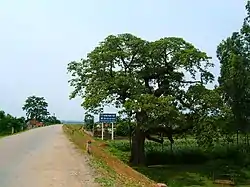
{"x":102,"y":131}
{"x":112,"y":131}
{"x":108,"y":118}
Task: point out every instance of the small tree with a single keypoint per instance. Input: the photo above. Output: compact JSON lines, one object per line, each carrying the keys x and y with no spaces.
{"x":233,"y":54}
{"x":89,"y":121}
{"x":36,"y":108}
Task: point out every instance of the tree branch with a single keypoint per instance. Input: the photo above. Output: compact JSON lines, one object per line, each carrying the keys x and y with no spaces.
{"x":190,"y":82}
{"x":146,"y":80}
{"x":159,"y":92}
{"x":154,"y":139}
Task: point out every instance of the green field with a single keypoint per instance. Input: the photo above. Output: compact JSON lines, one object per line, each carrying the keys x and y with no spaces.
{"x":188,"y":164}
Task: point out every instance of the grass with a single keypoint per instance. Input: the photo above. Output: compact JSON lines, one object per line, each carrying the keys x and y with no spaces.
{"x":188,"y":164}
{"x":185,"y":175}
{"x":177,"y":176}
{"x":111,"y":172}
{"x":106,"y":177}
{"x":5,"y":135}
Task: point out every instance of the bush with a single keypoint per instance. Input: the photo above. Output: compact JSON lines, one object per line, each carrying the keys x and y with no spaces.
{"x":123,"y":128}
{"x":7,"y":122}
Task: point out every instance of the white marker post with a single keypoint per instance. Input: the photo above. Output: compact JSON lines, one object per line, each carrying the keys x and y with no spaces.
{"x":112,"y":131}
{"x":102,"y":131}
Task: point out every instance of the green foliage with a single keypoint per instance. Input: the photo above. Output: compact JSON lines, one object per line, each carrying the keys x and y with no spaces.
{"x":51,"y":120}
{"x":234,"y":79}
{"x":205,"y":114}
{"x":146,"y":79}
{"x":124,"y":128}
{"x":36,"y":108}
{"x":158,"y":111}
{"x":7,"y":122}
{"x":185,"y":151}
{"x":125,"y":67}
{"x":89,"y":121}
{"x":188,"y":160}
{"x":161,"y":87}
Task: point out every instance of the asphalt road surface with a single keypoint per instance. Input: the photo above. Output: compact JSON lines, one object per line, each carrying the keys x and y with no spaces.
{"x":43,"y":157}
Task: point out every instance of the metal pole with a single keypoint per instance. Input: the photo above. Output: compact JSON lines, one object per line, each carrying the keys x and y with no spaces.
{"x":112,"y":131}
{"x":102,"y":131}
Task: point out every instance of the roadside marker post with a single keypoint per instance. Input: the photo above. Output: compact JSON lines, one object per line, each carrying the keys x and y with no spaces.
{"x":88,"y":147}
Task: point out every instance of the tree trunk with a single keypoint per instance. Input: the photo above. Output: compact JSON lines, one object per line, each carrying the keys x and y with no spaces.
{"x":237,"y":137}
{"x":171,"y":147}
{"x":138,"y":144}
{"x":247,"y":139}
{"x":130,"y":131}
{"x":93,"y":130}
{"x":130,"y":136}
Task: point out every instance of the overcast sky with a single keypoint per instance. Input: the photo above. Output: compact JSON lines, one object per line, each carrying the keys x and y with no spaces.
{"x":38,"y":38}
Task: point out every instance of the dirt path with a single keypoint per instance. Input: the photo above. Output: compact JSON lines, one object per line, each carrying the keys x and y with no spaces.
{"x":43,"y":158}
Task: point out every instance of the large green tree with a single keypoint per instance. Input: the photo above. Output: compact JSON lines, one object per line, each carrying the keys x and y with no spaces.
{"x":36,"y":108}
{"x":234,"y":56}
{"x":148,"y":79}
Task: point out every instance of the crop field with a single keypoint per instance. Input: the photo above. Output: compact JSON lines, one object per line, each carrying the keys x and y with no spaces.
{"x":188,"y":164}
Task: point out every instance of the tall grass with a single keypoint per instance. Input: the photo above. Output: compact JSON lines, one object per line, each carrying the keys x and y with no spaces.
{"x":185,"y":151}
{"x":188,"y":164}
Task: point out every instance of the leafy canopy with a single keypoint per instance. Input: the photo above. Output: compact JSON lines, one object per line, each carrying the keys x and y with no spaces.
{"x":36,"y":107}
{"x":89,"y":121}
{"x":125,"y":69}
{"x":234,"y":56}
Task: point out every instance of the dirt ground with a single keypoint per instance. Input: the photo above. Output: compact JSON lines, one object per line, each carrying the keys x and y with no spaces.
{"x":125,"y":173}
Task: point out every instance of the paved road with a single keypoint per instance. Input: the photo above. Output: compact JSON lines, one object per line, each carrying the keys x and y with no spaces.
{"x":42,"y":157}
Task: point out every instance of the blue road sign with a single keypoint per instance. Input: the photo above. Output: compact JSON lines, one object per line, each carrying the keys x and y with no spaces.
{"x":107,"y":118}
